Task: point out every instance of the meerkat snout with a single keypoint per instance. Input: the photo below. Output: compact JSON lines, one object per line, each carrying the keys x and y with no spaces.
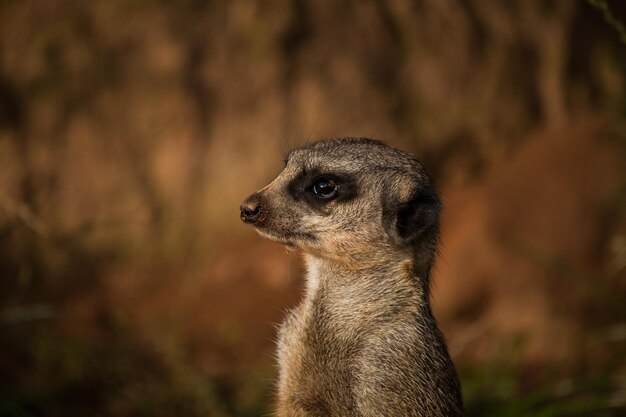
{"x":363,"y":342}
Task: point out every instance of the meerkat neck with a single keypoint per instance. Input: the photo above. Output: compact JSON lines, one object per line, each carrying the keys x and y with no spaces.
{"x":340,"y":279}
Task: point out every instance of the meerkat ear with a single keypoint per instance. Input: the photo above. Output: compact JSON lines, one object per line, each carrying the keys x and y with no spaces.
{"x":416,"y":216}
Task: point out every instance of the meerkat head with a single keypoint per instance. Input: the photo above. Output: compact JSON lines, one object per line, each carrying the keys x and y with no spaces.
{"x":351,"y":200}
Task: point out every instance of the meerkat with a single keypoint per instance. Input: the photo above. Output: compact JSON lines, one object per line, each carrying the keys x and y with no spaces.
{"x":363,"y":342}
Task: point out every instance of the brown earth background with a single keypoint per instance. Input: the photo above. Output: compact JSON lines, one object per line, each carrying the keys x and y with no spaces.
{"x":130,"y":131}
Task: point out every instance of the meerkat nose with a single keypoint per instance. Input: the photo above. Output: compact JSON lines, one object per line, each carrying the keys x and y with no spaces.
{"x":250,"y":210}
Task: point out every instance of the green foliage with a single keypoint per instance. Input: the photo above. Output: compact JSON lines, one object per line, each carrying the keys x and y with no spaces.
{"x":506,"y":387}
{"x":131,"y":374}
{"x":609,"y":18}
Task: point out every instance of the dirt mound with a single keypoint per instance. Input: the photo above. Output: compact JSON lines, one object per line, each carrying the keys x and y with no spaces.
{"x":527,"y":251}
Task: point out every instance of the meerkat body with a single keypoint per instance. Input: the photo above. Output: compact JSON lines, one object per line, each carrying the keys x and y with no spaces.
{"x":363,"y":342}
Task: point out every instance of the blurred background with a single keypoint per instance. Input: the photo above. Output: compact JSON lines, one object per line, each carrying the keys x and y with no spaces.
{"x":131,"y":131}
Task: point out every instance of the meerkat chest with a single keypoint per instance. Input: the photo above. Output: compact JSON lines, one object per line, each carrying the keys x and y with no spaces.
{"x":311,"y":333}
{"x":315,"y":365}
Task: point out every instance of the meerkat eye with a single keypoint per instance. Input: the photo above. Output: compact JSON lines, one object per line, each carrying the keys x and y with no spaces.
{"x":324,"y":188}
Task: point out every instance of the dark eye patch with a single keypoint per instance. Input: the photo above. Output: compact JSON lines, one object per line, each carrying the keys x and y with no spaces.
{"x":301,"y":188}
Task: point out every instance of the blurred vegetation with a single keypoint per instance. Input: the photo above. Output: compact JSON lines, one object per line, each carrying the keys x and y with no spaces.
{"x":130,"y":132}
